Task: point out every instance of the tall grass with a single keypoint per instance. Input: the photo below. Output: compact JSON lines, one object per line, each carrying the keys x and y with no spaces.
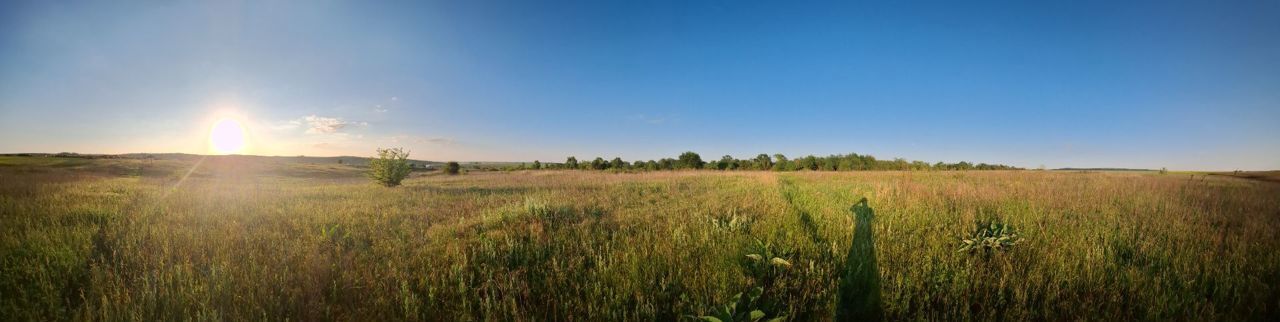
{"x":243,"y":239}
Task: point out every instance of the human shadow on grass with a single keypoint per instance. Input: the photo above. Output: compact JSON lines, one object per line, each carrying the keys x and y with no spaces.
{"x":860,"y":282}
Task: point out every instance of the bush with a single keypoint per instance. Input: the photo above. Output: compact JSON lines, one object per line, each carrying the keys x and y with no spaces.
{"x":452,"y":168}
{"x":390,"y":167}
{"x":988,"y":237}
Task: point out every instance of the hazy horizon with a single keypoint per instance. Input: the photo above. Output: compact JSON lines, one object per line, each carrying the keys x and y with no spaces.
{"x":1184,"y":85}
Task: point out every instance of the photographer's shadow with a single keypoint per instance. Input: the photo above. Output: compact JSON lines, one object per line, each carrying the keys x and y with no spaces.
{"x":860,"y":283}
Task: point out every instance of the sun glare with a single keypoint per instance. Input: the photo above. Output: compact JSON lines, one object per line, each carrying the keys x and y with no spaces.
{"x":227,"y":137}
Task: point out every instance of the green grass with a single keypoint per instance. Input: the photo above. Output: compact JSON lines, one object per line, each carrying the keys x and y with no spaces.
{"x":244,"y":238}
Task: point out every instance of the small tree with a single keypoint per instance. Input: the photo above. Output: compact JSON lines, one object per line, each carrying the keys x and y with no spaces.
{"x":537,"y":165}
{"x":452,"y":168}
{"x":571,"y":163}
{"x":617,"y":163}
{"x":390,"y":167}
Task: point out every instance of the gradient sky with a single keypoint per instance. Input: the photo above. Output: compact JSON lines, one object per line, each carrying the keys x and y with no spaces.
{"x":1184,"y":85}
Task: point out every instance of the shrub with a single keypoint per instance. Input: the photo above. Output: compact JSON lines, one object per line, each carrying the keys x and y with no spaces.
{"x":390,"y":167}
{"x":741,"y":308}
{"x":988,"y":237}
{"x":764,"y":266}
{"x":452,"y":168}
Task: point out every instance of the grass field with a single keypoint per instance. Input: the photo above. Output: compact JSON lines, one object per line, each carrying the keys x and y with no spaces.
{"x":254,"y":239}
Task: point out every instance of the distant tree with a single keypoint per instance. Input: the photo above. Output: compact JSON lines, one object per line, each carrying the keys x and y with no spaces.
{"x":762,"y":162}
{"x":725,"y":162}
{"x":617,"y":163}
{"x":828,"y":163}
{"x":571,"y":163}
{"x":452,"y":168}
{"x":690,"y":160}
{"x":807,"y":163}
{"x":901,"y":164}
{"x":599,"y":164}
{"x":537,"y":165}
{"x":638,"y":165}
{"x":667,"y":164}
{"x":652,"y":165}
{"x":390,"y":167}
{"x":919,"y":165}
{"x":780,"y":163}
{"x":339,"y":161}
{"x":1164,"y":170}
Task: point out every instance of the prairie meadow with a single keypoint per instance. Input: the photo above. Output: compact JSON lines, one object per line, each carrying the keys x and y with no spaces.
{"x":246,"y":238}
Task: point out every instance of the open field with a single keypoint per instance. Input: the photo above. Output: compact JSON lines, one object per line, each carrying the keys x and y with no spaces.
{"x":248,"y":239}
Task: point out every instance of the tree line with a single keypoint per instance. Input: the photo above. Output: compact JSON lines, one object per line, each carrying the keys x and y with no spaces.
{"x":762,"y":162}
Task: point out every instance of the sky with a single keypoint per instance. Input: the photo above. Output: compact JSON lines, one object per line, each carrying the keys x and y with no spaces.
{"x":1191,"y":85}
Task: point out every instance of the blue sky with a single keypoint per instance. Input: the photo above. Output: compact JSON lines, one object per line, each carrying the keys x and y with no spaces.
{"x":1184,"y":85}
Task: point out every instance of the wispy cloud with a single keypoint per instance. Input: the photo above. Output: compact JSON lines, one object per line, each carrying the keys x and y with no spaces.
{"x":328,"y":125}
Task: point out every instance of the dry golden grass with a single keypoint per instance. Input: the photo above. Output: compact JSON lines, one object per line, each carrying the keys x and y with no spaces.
{"x":248,"y":238}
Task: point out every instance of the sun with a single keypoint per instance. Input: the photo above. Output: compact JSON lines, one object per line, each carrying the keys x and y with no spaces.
{"x":227,"y":137}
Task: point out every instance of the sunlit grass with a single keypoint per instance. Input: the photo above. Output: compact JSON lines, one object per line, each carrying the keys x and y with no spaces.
{"x":245,"y":238}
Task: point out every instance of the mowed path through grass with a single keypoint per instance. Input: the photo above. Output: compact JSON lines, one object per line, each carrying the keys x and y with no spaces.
{"x":248,"y":238}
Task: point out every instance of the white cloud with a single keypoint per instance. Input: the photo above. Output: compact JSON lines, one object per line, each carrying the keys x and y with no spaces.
{"x":327,"y":125}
